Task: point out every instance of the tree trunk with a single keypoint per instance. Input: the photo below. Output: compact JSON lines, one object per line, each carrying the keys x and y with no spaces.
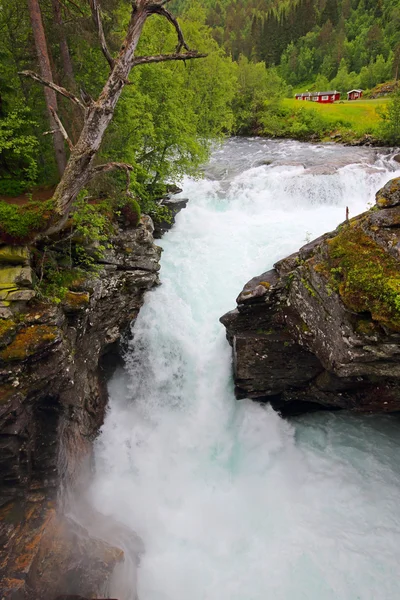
{"x":98,"y":113}
{"x":62,"y":41}
{"x":73,"y":114}
{"x":45,"y":70}
{"x":97,"y":118}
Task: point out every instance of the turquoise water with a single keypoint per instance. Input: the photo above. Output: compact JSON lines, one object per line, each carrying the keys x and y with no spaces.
{"x":232,"y":502}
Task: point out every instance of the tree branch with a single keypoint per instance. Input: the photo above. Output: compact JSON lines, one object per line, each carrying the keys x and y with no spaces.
{"x":94,"y":5}
{"x":143,"y":60}
{"x":53,"y":86}
{"x":61,"y":128}
{"x":112,"y":166}
{"x":160,"y":10}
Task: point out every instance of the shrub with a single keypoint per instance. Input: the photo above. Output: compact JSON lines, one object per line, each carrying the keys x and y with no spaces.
{"x":21,"y":224}
{"x":130,"y":210}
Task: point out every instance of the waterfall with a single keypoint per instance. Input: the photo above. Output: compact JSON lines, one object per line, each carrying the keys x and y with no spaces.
{"x":231,"y":501}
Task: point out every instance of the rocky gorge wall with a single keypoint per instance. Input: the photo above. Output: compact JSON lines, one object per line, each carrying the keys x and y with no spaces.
{"x":53,"y":368}
{"x":322,"y":328}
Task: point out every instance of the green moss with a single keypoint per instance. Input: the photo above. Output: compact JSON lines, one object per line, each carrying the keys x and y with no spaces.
{"x":130,"y":210}
{"x":14,"y":255}
{"x":20,"y":224}
{"x":28,"y":341}
{"x":265,"y":284}
{"x":366,"y":277}
{"x":7,"y":330}
{"x":74,"y":301}
{"x":309,"y":288}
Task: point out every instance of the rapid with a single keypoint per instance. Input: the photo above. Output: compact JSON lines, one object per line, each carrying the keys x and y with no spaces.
{"x":232,"y":502}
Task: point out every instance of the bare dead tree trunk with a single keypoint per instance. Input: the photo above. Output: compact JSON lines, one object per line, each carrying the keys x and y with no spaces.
{"x":98,"y":113}
{"x":45,"y":70}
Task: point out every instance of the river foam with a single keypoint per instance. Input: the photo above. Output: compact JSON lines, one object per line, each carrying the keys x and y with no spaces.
{"x":231,"y":501}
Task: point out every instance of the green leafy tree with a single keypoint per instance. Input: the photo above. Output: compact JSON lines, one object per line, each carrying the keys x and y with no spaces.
{"x":389,"y":129}
{"x":256,"y":84}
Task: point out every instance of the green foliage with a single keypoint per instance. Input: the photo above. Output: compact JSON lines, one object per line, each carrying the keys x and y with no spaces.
{"x":130,"y":210}
{"x":166,"y":122}
{"x":366,"y":276}
{"x":20,"y":224}
{"x":389,"y":129}
{"x":55,"y":281}
{"x":26,"y":156}
{"x":92,"y":226}
{"x":308,"y":38}
{"x":18,"y":150}
{"x":256,"y":84}
{"x":300,"y":122}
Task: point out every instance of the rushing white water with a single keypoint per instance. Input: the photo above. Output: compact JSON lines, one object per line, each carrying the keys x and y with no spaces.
{"x":231,"y":501}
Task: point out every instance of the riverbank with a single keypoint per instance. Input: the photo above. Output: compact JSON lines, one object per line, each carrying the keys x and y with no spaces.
{"x":354,"y":123}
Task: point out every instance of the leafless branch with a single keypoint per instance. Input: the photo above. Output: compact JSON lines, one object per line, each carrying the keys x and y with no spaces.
{"x":95,"y":7}
{"x":112,"y":166}
{"x":53,"y":86}
{"x":143,"y":60}
{"x":160,"y":10}
{"x":62,"y":128}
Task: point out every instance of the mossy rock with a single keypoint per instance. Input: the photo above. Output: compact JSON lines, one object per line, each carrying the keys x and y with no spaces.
{"x":389,"y":195}
{"x":14,"y":276}
{"x":29,"y":341}
{"x":14,"y":255}
{"x":74,"y":301}
{"x":8,"y":329}
{"x":366,"y":277}
{"x":130,"y":211}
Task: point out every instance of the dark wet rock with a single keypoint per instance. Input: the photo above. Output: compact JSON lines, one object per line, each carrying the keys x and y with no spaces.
{"x":324,"y":329}
{"x":53,"y":365}
{"x":396,"y":157}
{"x":173,"y":206}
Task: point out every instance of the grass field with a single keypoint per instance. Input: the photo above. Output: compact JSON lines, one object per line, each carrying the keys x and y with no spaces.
{"x":358,"y":115}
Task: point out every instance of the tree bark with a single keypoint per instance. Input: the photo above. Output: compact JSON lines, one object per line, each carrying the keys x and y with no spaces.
{"x":45,"y":70}
{"x":98,"y":114}
{"x":66,"y":61}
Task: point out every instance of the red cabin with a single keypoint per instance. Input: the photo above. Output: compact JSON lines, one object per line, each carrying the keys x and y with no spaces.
{"x":354,"y":94}
{"x":321,"y":97}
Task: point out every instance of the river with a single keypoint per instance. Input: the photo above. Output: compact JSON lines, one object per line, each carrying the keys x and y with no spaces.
{"x":231,"y":501}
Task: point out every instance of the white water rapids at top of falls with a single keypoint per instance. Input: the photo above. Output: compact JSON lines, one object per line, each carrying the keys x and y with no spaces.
{"x":231,"y":501}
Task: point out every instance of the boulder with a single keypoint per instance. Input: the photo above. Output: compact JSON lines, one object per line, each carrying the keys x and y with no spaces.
{"x":322,"y":329}
{"x":389,"y":195}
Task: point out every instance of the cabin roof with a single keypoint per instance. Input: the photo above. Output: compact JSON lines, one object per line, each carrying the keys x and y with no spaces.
{"x":330,"y":93}
{"x":351,"y":91}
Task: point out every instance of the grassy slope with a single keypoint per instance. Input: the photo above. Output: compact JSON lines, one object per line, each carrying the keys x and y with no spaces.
{"x":360,"y":116}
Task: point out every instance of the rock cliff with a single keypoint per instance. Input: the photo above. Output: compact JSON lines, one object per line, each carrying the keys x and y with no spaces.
{"x":53,"y":364}
{"x":322,"y":328}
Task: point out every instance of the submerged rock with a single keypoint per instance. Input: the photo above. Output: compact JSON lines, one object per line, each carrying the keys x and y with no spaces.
{"x":53,"y":365}
{"x":324,"y":332}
